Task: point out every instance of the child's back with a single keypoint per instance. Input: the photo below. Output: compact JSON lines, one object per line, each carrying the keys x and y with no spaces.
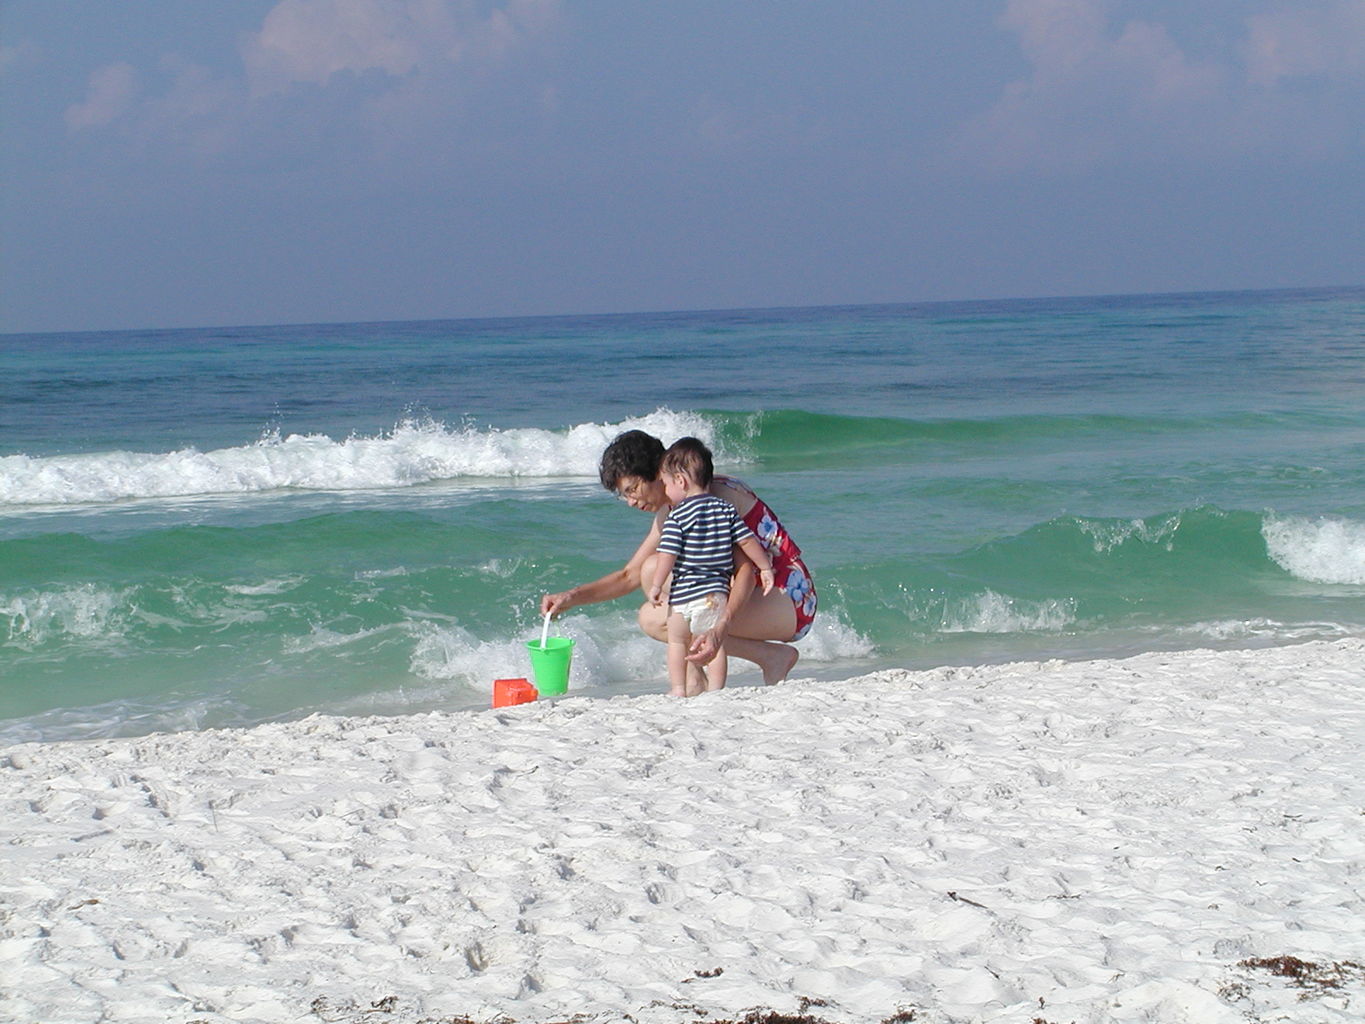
{"x":696,"y":545}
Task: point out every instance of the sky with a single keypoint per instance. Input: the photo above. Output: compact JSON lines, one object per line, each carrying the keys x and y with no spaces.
{"x":181,"y":163}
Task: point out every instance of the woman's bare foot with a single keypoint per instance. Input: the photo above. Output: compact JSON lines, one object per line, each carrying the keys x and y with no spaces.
{"x":778,"y":661}
{"x":696,"y":680}
{"x":774,"y":659}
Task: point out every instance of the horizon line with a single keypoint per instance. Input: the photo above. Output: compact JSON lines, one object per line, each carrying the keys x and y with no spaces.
{"x":697,"y":311}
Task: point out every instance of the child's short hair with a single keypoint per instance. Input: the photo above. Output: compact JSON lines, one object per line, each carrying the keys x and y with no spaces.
{"x":689,"y":456}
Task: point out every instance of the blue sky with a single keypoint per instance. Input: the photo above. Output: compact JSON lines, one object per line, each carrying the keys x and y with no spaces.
{"x":193,"y":162}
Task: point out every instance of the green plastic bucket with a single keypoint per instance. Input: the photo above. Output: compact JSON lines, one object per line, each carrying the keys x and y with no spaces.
{"x":550,"y":664}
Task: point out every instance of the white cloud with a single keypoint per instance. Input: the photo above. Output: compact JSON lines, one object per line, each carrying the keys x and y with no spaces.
{"x":1058,"y":36}
{"x":1089,"y":88}
{"x":174,"y":108}
{"x":385,"y":77}
{"x":110,"y":95}
{"x":198,"y":110}
{"x":1097,"y":93}
{"x":309,"y":41}
{"x":1326,"y":40}
{"x":16,"y":56}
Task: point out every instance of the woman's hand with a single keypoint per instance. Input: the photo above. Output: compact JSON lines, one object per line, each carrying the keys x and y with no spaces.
{"x":554,"y":604}
{"x":706,"y":644}
{"x":703,"y":649}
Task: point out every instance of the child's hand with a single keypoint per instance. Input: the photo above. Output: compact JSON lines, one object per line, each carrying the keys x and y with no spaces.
{"x":655,"y":595}
{"x":765,"y":577}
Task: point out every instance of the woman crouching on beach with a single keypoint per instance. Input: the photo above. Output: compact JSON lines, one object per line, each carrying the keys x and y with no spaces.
{"x":753,"y":626}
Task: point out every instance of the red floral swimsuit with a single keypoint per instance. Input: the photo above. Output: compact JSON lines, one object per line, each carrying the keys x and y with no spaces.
{"x":789,"y":572}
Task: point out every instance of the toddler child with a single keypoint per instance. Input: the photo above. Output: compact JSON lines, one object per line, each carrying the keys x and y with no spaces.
{"x":697,"y":545}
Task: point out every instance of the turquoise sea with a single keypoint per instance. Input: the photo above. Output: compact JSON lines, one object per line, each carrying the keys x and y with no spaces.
{"x":220,"y":527}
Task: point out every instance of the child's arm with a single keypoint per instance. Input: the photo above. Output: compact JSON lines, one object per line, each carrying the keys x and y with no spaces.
{"x":753,"y":550}
{"x":663,"y":565}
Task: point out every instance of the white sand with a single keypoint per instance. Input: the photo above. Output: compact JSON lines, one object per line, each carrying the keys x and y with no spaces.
{"x":1105,"y":841}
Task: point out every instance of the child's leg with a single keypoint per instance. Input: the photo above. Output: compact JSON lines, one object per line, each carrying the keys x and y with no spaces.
{"x":716,"y":670}
{"x":696,"y":679}
{"x":679,"y":639}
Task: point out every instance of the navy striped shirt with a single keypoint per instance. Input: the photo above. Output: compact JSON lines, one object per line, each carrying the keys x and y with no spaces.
{"x":701,"y":531}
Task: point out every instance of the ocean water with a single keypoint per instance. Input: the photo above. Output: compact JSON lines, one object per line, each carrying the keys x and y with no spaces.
{"x":220,"y":527}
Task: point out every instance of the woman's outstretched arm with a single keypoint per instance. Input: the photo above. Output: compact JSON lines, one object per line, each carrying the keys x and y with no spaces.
{"x":609,"y":587}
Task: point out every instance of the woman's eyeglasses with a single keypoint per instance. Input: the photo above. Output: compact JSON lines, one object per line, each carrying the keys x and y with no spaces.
{"x":632,"y":492}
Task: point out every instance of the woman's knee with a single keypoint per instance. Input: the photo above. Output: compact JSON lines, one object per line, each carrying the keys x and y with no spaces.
{"x":653,"y":620}
{"x":647,"y":569}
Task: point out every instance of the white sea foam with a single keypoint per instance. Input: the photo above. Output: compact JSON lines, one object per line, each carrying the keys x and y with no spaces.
{"x":267,"y":588}
{"x":1264,"y":629}
{"x":990,"y":612}
{"x":831,"y":639}
{"x":86,"y":611}
{"x":411,"y":454}
{"x":607,"y":650}
{"x":1106,"y":536}
{"x":1324,"y":550}
{"x":320,"y":638}
{"x":121,"y":718}
{"x":447,"y":651}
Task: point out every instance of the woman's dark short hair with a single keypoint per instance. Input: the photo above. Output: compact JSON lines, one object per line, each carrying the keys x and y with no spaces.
{"x":633,"y":453}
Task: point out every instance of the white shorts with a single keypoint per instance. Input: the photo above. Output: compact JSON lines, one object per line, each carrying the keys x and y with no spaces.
{"x":703,"y":613}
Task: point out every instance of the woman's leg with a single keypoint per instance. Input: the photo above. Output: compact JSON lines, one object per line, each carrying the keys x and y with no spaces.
{"x":717,"y":669}
{"x":763,"y":620}
{"x":756,"y":633}
{"x":653,"y":621}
